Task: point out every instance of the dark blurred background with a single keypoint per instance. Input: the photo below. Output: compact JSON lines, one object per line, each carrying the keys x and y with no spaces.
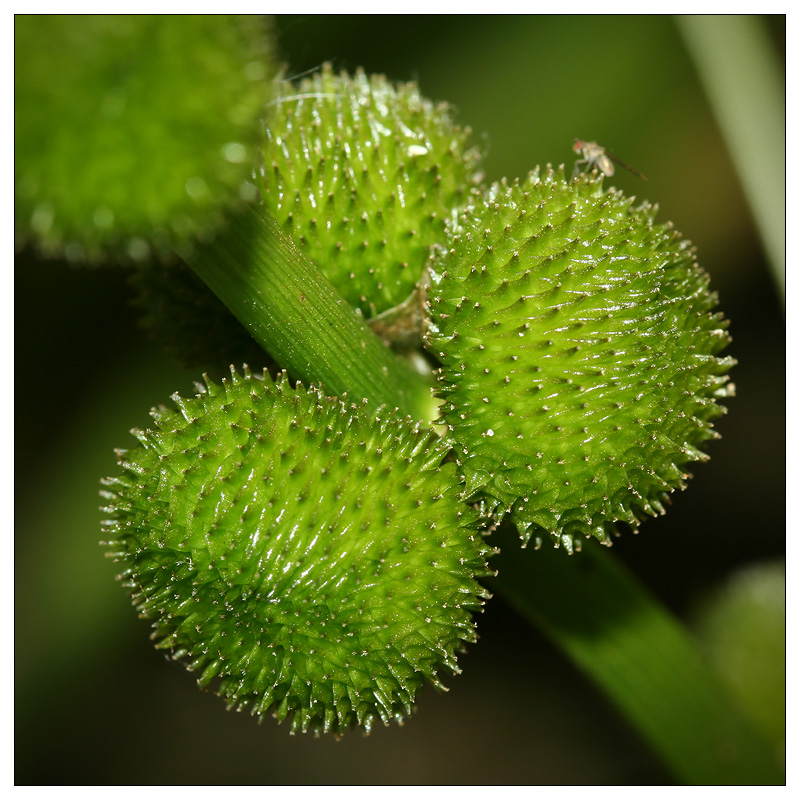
{"x":96,"y":704}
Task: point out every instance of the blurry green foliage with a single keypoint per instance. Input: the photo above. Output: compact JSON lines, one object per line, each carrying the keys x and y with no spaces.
{"x":115,"y":149}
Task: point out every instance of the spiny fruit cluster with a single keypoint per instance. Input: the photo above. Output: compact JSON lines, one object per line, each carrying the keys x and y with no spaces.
{"x":363,"y":173}
{"x":313,"y":558}
{"x":317,"y":559}
{"x":579,"y":356}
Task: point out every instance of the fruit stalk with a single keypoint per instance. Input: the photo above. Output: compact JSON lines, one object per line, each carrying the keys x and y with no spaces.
{"x":294,"y":312}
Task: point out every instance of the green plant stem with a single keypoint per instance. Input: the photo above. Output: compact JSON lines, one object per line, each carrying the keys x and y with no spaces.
{"x":588,"y":604}
{"x":595,"y":611}
{"x":294,"y":312}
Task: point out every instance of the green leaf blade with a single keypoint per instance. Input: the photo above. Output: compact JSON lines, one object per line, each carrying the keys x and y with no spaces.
{"x":641,"y":657}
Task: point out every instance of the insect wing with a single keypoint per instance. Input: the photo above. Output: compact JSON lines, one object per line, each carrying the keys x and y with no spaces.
{"x":623,"y":164}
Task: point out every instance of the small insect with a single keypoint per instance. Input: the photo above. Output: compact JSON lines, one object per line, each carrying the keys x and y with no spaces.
{"x":596,"y":156}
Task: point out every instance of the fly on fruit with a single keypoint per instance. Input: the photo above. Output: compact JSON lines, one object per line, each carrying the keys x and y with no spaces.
{"x":595,"y":156}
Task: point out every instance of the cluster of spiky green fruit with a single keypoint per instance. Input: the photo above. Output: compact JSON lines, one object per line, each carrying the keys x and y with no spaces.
{"x":363,"y":174}
{"x":314,"y":559}
{"x":579,"y":356}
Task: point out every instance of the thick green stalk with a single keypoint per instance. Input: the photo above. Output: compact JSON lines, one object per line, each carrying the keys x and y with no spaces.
{"x":640,"y":656}
{"x":294,"y":312}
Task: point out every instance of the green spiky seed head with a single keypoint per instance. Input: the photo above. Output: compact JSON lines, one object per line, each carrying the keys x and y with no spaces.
{"x":363,"y":174}
{"x":312,"y":559}
{"x":579,"y":356}
{"x":134,"y":133}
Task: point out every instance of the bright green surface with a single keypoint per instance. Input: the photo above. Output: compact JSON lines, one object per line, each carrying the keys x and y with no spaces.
{"x":318,"y":562}
{"x":133,"y":132}
{"x":578,"y":350}
{"x":363,"y":174}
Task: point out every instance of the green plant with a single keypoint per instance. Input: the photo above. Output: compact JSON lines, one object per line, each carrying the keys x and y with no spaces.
{"x":274,"y":288}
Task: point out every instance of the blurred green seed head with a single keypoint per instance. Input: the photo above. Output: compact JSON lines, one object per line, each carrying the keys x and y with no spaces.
{"x":364,"y":173}
{"x":310,"y":559}
{"x":742,"y":626}
{"x":134,"y":133}
{"x":579,"y":356}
